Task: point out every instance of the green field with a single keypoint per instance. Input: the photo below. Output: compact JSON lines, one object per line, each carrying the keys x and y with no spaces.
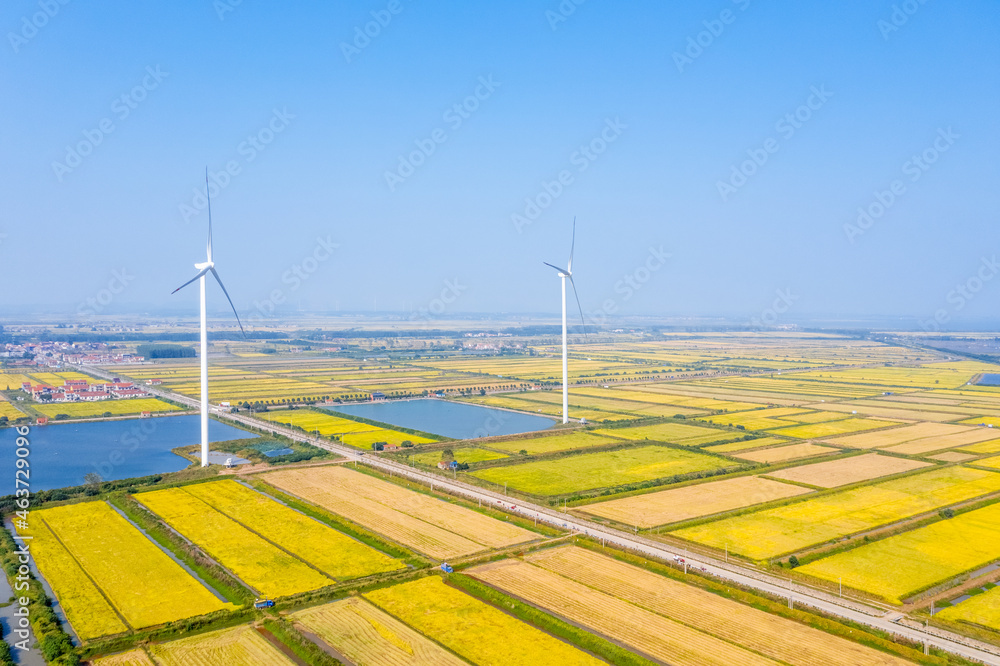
{"x":786,"y":529}
{"x":897,"y":567}
{"x":588,"y":471}
{"x":466,"y":455}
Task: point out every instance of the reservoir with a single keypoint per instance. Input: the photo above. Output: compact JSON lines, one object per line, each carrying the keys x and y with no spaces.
{"x":63,"y":453}
{"x":989,"y":379}
{"x":457,"y":420}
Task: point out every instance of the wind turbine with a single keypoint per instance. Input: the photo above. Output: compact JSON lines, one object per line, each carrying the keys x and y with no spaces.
{"x":203,"y":271}
{"x":567,"y":274}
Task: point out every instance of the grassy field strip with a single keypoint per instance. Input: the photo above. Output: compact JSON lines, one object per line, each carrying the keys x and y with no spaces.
{"x":854,"y":469}
{"x":659,"y":637}
{"x":474,"y":629}
{"x":366,"y":635}
{"x":588,"y":471}
{"x":894,"y":436}
{"x":87,"y":609}
{"x":786,"y":529}
{"x":143,"y":583}
{"x":704,"y":499}
{"x":239,"y":646}
{"x":431,"y":526}
{"x":785,"y":453}
{"x":554,"y":443}
{"x":766,"y":634}
{"x":335,"y":554}
{"x":899,"y":566}
{"x":831,"y":428}
{"x":254,"y":560}
{"x":982,"y":609}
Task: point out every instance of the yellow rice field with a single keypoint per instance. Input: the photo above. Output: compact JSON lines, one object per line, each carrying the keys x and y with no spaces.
{"x":982,"y":610}
{"x":843,"y":471}
{"x":335,"y":554}
{"x":464,"y":625}
{"x":366,"y":635}
{"x":674,"y":433}
{"x":552,"y":443}
{"x":256,"y":561}
{"x":898,"y":566}
{"x":145,"y":586}
{"x":703,"y":499}
{"x":239,"y":646}
{"x":786,"y":529}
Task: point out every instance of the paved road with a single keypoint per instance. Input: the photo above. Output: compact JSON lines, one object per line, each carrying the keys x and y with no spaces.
{"x":886,"y":620}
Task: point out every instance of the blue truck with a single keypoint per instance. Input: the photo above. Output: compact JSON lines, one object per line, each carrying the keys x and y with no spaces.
{"x":263,"y":603}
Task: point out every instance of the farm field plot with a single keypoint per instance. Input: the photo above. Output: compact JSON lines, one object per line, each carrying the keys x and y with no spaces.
{"x":89,"y":554}
{"x":675,"y":433}
{"x":761,"y":419}
{"x":549,"y":409}
{"x":116,"y":407}
{"x":830,"y":428}
{"x":901,"y":565}
{"x":982,"y":609}
{"x":254,"y":560}
{"x":662,"y":393}
{"x":426,"y":524}
{"x":909,"y":413}
{"x":588,"y":471}
{"x":661,"y":638}
{"x":366,"y":635}
{"x":980,"y":421}
{"x":703,"y":499}
{"x":462,"y":624}
{"x":952,"y":456}
{"x":619,"y":405}
{"x":240,"y":646}
{"x":786,"y":529}
{"x":353,"y":433}
{"x":553,"y":443}
{"x":335,"y":554}
{"x":784,"y":453}
{"x":464,"y":455}
{"x":894,"y":436}
{"x":11,"y":381}
{"x":130,"y":658}
{"x":993,"y":462}
{"x":9,"y":410}
{"x":843,"y":471}
{"x":707,"y":615}
{"x":743,"y":445}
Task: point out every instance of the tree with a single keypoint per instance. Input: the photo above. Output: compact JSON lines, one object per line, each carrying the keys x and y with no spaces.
{"x":793,"y":561}
{"x":92,"y":479}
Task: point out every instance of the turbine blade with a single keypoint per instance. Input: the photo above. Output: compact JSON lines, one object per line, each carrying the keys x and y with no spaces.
{"x":582,"y":320}
{"x":189,"y":281}
{"x":561,"y":270}
{"x":572,"y":245}
{"x":219,"y":280}
{"x":208,"y":195}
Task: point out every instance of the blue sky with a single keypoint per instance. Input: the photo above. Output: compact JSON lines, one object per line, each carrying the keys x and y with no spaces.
{"x":645,"y":110}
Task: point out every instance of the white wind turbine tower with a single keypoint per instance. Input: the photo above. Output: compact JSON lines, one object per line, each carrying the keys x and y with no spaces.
{"x":203,"y":271}
{"x":567,"y":274}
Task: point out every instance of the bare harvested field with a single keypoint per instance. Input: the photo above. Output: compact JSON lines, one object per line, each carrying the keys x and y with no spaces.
{"x":743,"y":445}
{"x":952,"y":456}
{"x":843,"y":471}
{"x":909,"y":433}
{"x":789,"y":452}
{"x":703,"y":499}
{"x":706,"y":615}
{"x":657,"y":636}
{"x":427,"y":524}
{"x":885,"y":412}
